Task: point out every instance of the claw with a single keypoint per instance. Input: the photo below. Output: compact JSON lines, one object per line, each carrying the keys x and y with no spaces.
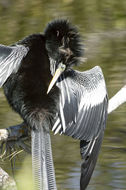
{"x":12,"y":139}
{"x":13,"y":142}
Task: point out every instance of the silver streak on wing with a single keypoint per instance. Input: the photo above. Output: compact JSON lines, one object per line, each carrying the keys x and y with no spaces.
{"x":83,"y":103}
{"x":10,"y":60}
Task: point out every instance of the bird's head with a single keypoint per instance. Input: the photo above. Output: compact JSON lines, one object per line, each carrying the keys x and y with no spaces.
{"x":64,"y":47}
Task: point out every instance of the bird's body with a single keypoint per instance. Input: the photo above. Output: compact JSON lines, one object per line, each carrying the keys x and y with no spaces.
{"x":26,"y":92}
{"x":76,"y":106}
{"x":26,"y":89}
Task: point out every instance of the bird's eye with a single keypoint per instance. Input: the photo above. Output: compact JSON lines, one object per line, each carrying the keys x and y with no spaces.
{"x":63,"y":66}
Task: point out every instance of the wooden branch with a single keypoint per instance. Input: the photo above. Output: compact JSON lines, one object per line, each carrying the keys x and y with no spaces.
{"x":4,"y":134}
{"x":118,"y":99}
{"x":6,"y":182}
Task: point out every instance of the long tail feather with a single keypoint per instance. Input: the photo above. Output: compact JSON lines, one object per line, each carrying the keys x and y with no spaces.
{"x":42,"y":162}
{"x":49,"y":164}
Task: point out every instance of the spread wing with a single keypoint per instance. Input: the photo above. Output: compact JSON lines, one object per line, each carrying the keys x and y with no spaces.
{"x":83,"y":104}
{"x":10,"y":59}
{"x":83,"y":113}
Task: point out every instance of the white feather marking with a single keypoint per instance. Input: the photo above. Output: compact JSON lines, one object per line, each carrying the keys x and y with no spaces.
{"x":62,"y":117}
{"x":56,"y":124}
{"x":91,"y":148}
{"x":94,"y":97}
{"x":85,"y":101}
{"x":57,"y":130}
{"x":75,"y":119}
{"x":67,"y":90}
{"x":62,"y":94}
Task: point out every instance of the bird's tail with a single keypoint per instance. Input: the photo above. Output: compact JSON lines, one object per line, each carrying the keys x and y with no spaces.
{"x":89,"y":162}
{"x":42,"y":161}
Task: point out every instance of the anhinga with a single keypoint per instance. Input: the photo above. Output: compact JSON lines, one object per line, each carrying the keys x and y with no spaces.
{"x":74,"y":103}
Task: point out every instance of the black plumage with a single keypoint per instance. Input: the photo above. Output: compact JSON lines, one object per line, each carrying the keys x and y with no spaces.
{"x":74,"y":103}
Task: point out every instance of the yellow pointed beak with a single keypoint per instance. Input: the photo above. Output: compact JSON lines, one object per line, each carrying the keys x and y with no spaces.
{"x":58,"y":72}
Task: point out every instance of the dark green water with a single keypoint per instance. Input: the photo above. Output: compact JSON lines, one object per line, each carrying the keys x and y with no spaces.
{"x":102,"y":25}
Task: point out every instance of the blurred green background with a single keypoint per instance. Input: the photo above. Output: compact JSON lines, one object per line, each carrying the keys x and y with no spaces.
{"x":102,"y":24}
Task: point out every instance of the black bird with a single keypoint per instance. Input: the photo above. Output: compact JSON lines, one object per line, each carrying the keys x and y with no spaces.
{"x":74,"y":103}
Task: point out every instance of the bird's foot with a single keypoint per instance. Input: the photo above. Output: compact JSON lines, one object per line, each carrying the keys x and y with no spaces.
{"x":14,"y":140}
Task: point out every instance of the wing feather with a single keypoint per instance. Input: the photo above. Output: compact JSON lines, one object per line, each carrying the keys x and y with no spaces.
{"x":84,"y":106}
{"x":83,"y":102}
{"x":83,"y":114}
{"x":10,"y":59}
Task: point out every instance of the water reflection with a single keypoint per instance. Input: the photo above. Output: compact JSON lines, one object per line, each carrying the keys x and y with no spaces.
{"x":102,"y":23}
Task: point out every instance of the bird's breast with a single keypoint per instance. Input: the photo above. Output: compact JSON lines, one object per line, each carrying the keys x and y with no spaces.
{"x":29,"y":90}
